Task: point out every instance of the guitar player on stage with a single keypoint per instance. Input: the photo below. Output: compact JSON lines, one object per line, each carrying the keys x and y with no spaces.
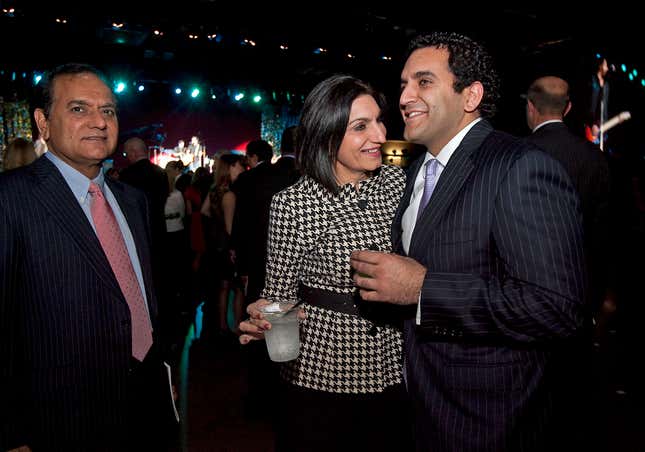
{"x":599,"y":103}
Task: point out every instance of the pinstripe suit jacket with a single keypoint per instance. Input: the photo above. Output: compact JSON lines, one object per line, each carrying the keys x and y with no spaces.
{"x":501,"y":238}
{"x":65,"y":326}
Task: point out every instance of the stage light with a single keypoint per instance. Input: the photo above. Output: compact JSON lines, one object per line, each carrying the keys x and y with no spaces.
{"x":257,"y":98}
{"x":631,"y":76}
{"x":177,"y":90}
{"x":119,"y":87}
{"x":239,"y":96}
{"x":37,"y":78}
{"x":643,"y":81}
{"x":635,"y":72}
{"x":623,"y":68}
{"x":284,"y":47}
{"x":194,"y":93}
{"x":141,"y":88}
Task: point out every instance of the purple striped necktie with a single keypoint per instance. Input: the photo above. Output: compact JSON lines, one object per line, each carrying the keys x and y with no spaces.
{"x":429,"y":184}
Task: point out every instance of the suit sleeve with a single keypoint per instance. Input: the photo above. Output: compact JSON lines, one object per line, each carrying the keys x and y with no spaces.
{"x":12,"y":407}
{"x":534,"y":287}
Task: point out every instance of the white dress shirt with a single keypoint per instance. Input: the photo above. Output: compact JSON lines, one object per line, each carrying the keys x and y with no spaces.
{"x":409,"y":219}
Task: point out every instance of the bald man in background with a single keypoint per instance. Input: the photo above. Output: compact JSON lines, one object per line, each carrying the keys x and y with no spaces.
{"x":141,"y":173}
{"x":151,"y":179}
{"x":547,"y":103}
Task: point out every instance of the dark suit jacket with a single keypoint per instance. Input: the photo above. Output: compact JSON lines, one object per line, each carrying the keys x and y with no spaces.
{"x":65,"y":334}
{"x":501,"y":239}
{"x":152,"y":180}
{"x":254,"y":190}
{"x":587,"y":167}
{"x":287,"y":172}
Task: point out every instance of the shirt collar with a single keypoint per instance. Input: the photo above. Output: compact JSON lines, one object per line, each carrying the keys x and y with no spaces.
{"x":545,"y":123}
{"x":446,"y":152}
{"x":78,"y":182}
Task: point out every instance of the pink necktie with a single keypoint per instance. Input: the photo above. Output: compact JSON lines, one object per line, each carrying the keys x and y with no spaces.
{"x":109,"y":234}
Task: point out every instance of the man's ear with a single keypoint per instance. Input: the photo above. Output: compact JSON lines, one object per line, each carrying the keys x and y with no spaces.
{"x":42,"y":123}
{"x":474,"y":96}
{"x":531,"y":108}
{"x":567,"y":109}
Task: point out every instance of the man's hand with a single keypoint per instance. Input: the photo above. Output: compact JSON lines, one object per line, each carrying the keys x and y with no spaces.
{"x":387,"y":277}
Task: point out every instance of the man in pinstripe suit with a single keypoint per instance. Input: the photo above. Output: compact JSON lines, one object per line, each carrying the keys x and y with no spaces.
{"x":67,"y":372}
{"x":493,"y":263}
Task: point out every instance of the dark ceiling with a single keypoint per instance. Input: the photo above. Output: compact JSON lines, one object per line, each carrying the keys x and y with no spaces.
{"x":518,"y":35}
{"x":526,"y":40}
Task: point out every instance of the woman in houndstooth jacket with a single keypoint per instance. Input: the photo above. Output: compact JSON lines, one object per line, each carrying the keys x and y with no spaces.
{"x":344,"y":391}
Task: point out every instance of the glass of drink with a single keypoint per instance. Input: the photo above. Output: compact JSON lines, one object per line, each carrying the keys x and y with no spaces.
{"x":283,"y":339}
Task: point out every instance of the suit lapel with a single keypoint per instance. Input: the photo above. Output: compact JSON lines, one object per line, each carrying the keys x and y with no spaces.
{"x":53,"y":193}
{"x":452,"y":179}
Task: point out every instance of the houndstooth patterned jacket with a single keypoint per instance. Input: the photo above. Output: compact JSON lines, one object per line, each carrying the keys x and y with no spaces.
{"x":311,"y":235}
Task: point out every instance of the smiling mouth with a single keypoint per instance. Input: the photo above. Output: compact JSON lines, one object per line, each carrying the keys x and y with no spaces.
{"x":413,"y":114}
{"x":371,"y":151}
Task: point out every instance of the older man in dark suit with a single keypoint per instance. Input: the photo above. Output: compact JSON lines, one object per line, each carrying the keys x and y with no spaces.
{"x":79,"y":367}
{"x":490,"y":247}
{"x":547,"y":103}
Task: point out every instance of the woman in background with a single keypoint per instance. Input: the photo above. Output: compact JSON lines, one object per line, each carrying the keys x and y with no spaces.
{"x":19,"y":152}
{"x":218,"y":211}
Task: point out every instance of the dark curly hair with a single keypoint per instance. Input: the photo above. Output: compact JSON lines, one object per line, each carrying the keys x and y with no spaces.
{"x":468,"y":61}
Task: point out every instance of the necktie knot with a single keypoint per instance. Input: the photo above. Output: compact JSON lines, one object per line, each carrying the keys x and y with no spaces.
{"x":95,"y":189}
{"x":431,"y":168}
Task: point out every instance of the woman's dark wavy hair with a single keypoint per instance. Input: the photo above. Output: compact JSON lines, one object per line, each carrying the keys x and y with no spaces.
{"x":45,"y":96}
{"x":323,"y":124}
{"x":468,"y":61}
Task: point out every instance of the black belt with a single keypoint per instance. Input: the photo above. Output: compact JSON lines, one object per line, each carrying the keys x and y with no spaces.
{"x":341,"y":302}
{"x":378,"y":314}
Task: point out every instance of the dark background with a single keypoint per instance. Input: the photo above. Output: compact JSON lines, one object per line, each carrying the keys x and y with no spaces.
{"x":526,"y":40}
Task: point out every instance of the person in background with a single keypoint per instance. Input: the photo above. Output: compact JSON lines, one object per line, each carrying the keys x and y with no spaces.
{"x":253,"y":190}
{"x":19,"y":152}
{"x":151,"y":179}
{"x":489,"y":253}
{"x":345,"y":390}
{"x":285,"y":168}
{"x":219,"y":209}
